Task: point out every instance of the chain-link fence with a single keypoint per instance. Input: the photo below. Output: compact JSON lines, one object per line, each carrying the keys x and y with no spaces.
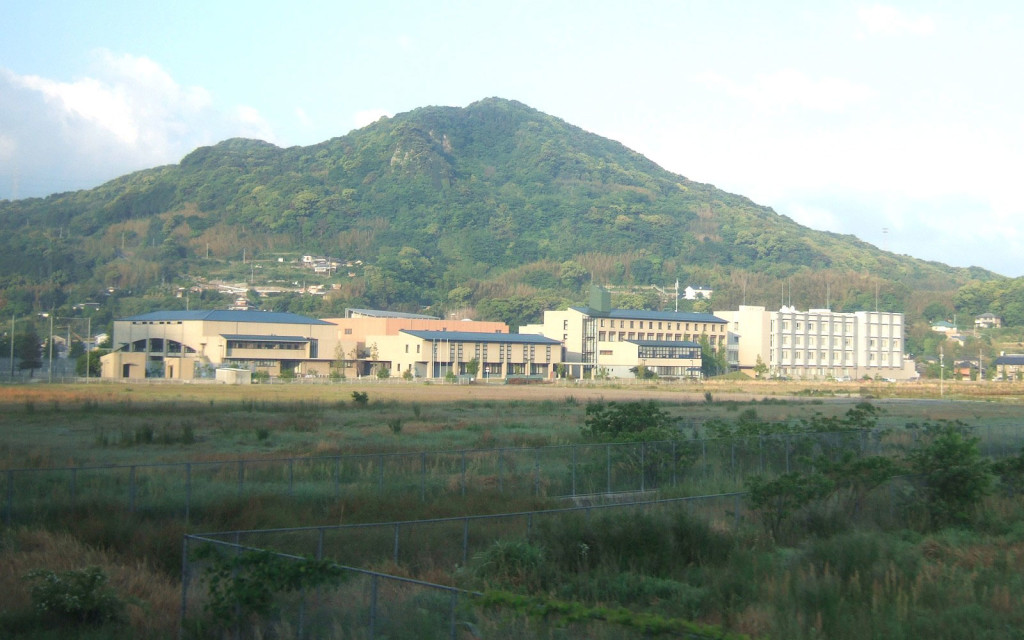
{"x":362,"y":603}
{"x":695,"y":466}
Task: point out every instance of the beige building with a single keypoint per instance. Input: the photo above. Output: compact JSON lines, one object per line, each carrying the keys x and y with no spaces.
{"x":366,"y":337}
{"x":820,"y":344}
{"x":186,"y":345}
{"x":433,"y":354}
{"x":601,"y":341}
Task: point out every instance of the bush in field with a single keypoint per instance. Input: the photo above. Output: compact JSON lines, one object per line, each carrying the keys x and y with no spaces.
{"x":360,"y":398}
{"x":1010,"y":472}
{"x":777,"y":501}
{"x":510,"y":562}
{"x":81,"y":597}
{"x":628,"y":422}
{"x":955,"y":475}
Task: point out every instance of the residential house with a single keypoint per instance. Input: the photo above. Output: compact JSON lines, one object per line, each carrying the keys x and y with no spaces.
{"x":1010,"y":366}
{"x":695,"y":292}
{"x":988,"y":321}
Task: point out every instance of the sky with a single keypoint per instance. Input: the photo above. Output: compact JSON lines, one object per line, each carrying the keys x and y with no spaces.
{"x":901,"y":123}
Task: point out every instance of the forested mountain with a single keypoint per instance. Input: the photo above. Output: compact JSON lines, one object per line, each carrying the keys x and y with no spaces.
{"x":495,"y":206}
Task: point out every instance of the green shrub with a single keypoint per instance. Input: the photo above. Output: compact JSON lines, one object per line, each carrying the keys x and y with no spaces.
{"x":509,"y":562}
{"x":82,"y":597}
{"x":954,"y":474}
{"x":360,"y":398}
{"x":628,"y":422}
{"x":395,"y":424}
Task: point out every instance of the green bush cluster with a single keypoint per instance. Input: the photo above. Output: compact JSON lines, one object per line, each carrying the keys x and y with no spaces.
{"x":78,"y":596}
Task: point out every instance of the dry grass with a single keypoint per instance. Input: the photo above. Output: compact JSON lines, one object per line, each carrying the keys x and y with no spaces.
{"x":26,"y":549}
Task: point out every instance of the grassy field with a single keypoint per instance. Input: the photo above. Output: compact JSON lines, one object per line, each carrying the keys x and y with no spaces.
{"x":44,"y":426}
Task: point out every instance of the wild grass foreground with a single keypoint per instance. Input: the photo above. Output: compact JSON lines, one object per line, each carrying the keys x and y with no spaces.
{"x":797,"y":567}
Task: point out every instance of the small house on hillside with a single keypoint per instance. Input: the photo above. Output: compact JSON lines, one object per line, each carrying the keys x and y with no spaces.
{"x":1010,"y":366}
{"x":988,"y":321}
{"x":695,"y":292}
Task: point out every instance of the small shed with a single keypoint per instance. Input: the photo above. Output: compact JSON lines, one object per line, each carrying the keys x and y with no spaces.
{"x":234,"y":376}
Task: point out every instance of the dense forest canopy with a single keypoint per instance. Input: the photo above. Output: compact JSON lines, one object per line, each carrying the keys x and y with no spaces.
{"x":495,"y":207}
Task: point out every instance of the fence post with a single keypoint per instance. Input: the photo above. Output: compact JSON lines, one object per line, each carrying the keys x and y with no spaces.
{"x":131,"y":489}
{"x":675,"y":463}
{"x":10,"y":497}
{"x":501,"y":465}
{"x":373,"y":606}
{"x":536,"y":471}
{"x":291,"y":475}
{"x":451,"y":615}
{"x":188,"y":491}
{"x":394,"y":554}
{"x":74,"y":486}
{"x":320,"y":544}
{"x":185,"y":577}
{"x":380,"y":474}
{"x":574,"y":471}
{"x":465,"y":540}
{"x":337,"y":476}
{"x":241,"y":476}
{"x":463,"y":473}
{"x":643,"y":466}
{"x":423,"y":476}
{"x":787,"y":452}
{"x":608,"y":468}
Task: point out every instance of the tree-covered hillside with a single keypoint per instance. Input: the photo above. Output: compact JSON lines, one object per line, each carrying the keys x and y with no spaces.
{"x":494,"y":206}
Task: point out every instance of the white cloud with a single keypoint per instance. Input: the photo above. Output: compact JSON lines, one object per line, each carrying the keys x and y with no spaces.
{"x":887,"y":21}
{"x":790,"y":88}
{"x":369,"y":116}
{"x":128,"y":114}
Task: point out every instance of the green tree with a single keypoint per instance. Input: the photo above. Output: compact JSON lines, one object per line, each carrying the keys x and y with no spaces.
{"x":28,"y":350}
{"x":954,"y":475}
{"x":628,"y":422}
{"x":712,"y":361}
{"x":778,"y":500}
{"x":760,"y":368}
{"x":473,"y":366}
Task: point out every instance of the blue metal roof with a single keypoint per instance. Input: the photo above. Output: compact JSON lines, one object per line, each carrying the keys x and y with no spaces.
{"x":640,"y":314}
{"x":479,"y":336}
{"x":226,"y":315}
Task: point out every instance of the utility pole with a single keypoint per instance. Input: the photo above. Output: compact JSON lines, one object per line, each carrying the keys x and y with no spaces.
{"x":49,"y":377}
{"x":942,"y":370}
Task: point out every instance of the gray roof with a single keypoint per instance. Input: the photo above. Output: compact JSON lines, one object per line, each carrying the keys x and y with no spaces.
{"x":479,"y":336}
{"x":1011,"y":359}
{"x":639,"y":314}
{"x":226,"y":315}
{"x":378,"y":313}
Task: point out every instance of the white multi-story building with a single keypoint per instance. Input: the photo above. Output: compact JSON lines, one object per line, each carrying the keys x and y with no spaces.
{"x":820,"y":343}
{"x":599,"y":340}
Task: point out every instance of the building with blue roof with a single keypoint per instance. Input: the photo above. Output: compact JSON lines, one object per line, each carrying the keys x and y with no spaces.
{"x":433,"y":354}
{"x":621,"y":343}
{"x":188,"y":345}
